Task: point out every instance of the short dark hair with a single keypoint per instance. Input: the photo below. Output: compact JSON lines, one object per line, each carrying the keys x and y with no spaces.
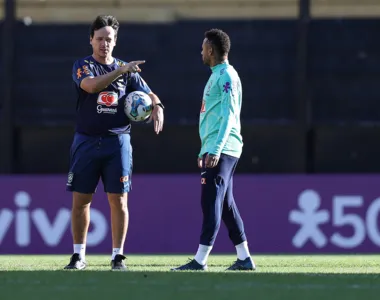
{"x":219,"y":40}
{"x":103,"y":21}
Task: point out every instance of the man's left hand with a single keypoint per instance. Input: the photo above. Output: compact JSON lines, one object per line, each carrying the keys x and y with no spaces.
{"x":211,"y":160}
{"x":158,"y":118}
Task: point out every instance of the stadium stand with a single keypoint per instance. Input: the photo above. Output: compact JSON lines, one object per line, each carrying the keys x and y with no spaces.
{"x":1,"y":9}
{"x":154,"y":11}
{"x":345,"y":8}
{"x":148,"y":11}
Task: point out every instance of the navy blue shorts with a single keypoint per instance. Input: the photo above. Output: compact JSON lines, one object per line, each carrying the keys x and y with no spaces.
{"x":108,"y":158}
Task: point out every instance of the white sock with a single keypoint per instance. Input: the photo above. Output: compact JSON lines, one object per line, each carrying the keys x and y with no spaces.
{"x":116,"y":251}
{"x":81,"y":250}
{"x":242,"y":251}
{"x":202,"y":254}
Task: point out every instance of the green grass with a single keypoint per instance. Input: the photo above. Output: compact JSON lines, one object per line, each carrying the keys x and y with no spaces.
{"x":277,"y":277}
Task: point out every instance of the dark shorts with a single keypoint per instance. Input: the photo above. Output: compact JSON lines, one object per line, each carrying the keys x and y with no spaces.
{"x":108,"y":158}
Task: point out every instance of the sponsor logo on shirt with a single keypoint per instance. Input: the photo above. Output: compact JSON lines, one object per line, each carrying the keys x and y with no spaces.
{"x":86,"y":70}
{"x":227,"y":87}
{"x":79,"y":73}
{"x":106,"y":100}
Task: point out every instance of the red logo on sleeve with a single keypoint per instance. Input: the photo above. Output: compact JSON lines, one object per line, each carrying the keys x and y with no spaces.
{"x":203,"y":107}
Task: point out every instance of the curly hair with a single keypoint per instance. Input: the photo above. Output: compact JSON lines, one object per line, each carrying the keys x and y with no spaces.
{"x":103,"y":21}
{"x":219,"y":40}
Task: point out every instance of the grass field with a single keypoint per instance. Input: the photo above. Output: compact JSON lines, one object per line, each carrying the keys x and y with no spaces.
{"x":277,"y":277}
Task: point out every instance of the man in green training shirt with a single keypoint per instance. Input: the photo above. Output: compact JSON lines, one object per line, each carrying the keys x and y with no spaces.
{"x":222,"y":143}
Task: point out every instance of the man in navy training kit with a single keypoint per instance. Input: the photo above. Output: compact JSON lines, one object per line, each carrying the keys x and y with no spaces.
{"x":222,"y":143}
{"x":101,"y":147}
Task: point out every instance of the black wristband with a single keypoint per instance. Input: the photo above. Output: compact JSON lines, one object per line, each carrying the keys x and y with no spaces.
{"x":160,"y":104}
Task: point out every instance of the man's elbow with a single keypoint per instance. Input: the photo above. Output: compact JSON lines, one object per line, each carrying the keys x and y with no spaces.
{"x":154,"y":98}
{"x":89,"y":86}
{"x":89,"y":90}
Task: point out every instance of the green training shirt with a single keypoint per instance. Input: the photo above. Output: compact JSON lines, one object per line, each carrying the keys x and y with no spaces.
{"x":219,"y":122}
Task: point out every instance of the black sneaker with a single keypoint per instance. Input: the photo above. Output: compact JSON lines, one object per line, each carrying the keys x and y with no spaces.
{"x":243,"y":265}
{"x":76,"y":263}
{"x":193,"y":265}
{"x":117,"y":264}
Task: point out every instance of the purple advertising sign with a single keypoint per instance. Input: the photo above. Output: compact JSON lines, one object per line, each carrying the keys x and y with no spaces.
{"x":282,"y":214}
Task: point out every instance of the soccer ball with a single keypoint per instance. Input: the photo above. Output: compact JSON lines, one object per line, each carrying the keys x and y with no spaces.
{"x":138,"y":106}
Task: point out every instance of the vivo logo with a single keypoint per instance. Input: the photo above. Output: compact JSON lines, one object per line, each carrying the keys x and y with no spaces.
{"x":51,"y":231}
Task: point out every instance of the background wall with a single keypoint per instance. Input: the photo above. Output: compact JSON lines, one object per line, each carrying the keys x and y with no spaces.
{"x":310,"y":72}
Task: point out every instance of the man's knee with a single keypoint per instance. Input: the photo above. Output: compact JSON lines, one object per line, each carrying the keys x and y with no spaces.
{"x":214,"y":225}
{"x":81,"y":201}
{"x":118,"y":201}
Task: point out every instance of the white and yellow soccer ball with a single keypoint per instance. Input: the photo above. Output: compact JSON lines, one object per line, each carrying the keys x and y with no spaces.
{"x":138,"y":106}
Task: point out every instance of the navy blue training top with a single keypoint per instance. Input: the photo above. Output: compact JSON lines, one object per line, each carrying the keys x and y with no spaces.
{"x":103,"y":113}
